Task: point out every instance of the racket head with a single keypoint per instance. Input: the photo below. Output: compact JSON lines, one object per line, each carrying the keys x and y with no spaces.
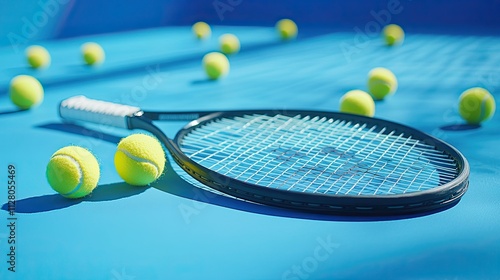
{"x":449,"y":178}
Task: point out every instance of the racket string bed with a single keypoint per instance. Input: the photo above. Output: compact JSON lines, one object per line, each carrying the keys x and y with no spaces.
{"x":354,"y":168}
{"x":350,"y":169}
{"x":225,"y":145}
{"x":264,"y":149}
{"x":266,"y":170}
{"x":271,"y":139}
{"x":325,"y":153}
{"x":242,"y":163}
{"x":255,"y":173}
{"x":318,"y":155}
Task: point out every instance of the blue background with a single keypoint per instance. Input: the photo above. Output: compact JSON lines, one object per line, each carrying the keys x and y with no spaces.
{"x":69,"y":18}
{"x":175,"y":228}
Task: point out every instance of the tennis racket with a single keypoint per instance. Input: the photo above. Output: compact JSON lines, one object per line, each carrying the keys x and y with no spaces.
{"x":307,"y":160}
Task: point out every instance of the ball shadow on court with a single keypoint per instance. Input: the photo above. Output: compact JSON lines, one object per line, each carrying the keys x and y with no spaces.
{"x":460,"y":127}
{"x":51,"y":202}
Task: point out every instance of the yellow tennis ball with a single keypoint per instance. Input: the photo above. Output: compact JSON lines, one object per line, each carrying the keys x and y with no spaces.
{"x":287,"y":29}
{"x":139,"y":159}
{"x":25,"y":91}
{"x":381,"y":82}
{"x":216,"y":65}
{"x":38,"y":57}
{"x":73,"y":172}
{"x":476,"y":105}
{"x":92,"y":53}
{"x":229,"y":44}
{"x":393,"y":34}
{"x":357,"y":102}
{"x":201,"y":30}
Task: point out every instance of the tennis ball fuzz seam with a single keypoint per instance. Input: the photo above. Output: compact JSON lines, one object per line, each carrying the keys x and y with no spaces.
{"x":141,"y":160}
{"x":476,"y":105}
{"x":79,"y":170}
{"x":381,"y":83}
{"x":73,"y":172}
{"x":483,"y":114}
{"x":357,"y":102}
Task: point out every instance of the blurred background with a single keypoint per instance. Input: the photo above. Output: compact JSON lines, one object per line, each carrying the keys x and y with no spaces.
{"x":26,"y":21}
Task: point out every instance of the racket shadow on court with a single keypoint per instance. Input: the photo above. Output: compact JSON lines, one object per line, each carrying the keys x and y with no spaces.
{"x":172,"y":183}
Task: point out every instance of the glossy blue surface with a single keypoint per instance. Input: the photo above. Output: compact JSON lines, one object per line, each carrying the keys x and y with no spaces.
{"x":173,"y":230}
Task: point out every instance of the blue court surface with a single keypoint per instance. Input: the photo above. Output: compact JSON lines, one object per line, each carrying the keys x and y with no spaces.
{"x":178,"y":229}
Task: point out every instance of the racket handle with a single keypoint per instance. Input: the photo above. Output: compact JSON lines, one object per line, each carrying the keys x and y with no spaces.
{"x":81,"y":108}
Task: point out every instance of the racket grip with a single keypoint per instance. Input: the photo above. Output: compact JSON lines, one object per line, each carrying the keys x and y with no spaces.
{"x":81,"y":108}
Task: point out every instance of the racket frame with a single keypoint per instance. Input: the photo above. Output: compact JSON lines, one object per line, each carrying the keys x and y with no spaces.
{"x":409,"y":203}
